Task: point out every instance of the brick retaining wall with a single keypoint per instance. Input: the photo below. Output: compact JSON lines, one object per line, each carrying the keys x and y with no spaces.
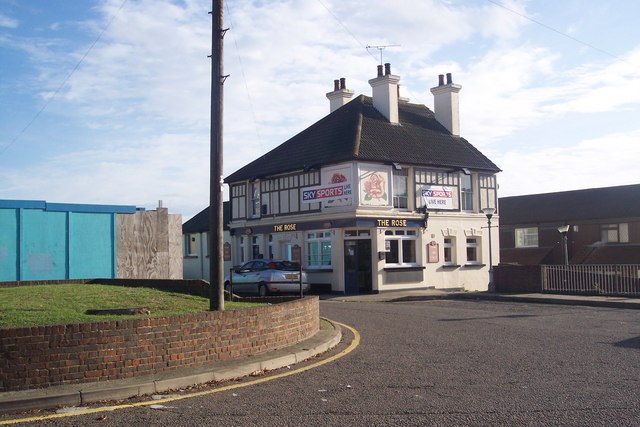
{"x":517,"y":278}
{"x":44,"y":356}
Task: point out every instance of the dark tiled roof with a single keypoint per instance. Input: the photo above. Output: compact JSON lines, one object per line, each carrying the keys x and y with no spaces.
{"x":614,"y":254}
{"x":200,"y":222}
{"x":566,"y":206}
{"x":357,"y":131}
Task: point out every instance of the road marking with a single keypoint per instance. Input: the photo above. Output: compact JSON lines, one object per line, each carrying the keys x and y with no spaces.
{"x":354,"y":344}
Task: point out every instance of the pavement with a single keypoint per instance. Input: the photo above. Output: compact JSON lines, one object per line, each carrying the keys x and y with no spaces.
{"x":539,"y":298}
{"x":328,"y":337}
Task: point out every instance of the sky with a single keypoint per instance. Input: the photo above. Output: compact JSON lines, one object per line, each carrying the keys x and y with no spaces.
{"x":108,"y":101}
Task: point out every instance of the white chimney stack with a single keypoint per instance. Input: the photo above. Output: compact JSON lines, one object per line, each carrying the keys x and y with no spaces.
{"x":446,"y":104}
{"x":340,"y":95}
{"x":385,"y":93}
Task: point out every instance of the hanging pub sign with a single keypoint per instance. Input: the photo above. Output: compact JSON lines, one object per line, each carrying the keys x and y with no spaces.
{"x":433,"y":253}
{"x":296,"y":253}
{"x":437,"y":196}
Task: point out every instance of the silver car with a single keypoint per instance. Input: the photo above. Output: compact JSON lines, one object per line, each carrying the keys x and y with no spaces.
{"x":267,"y":276}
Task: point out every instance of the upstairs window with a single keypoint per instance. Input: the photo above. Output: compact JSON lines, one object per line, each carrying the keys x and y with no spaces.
{"x":430,"y":178}
{"x":527,"y":237}
{"x":466,"y":192}
{"x":400,"y":189}
{"x":614,"y":233}
{"x":239,"y":201}
{"x":255,"y":199}
{"x":281,"y":195}
{"x":488,"y":191}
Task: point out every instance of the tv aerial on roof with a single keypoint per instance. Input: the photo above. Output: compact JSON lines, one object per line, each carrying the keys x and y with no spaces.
{"x":381,"y":48}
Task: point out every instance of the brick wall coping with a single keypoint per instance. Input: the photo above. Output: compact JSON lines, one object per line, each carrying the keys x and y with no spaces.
{"x":44,"y":356}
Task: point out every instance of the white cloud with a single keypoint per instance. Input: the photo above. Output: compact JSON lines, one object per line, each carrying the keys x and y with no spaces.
{"x":169,"y":168}
{"x":601,"y":87}
{"x":600,"y":162}
{"x":510,"y":89}
{"x":8,"y":22}
{"x":151,"y":63}
{"x":498,"y":96}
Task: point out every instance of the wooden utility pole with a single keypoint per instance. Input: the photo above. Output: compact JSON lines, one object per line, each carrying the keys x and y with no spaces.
{"x":216,"y":258}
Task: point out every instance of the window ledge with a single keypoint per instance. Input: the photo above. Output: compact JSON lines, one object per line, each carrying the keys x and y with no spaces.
{"x":415,"y":268}
{"x":190,"y":256}
{"x":318,"y":270}
{"x":474,"y":265}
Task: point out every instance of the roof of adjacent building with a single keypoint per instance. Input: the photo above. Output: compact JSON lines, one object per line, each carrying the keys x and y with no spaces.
{"x":609,"y":254}
{"x":200,"y":222}
{"x":357,"y":131}
{"x":524,"y":256}
{"x":567,"y":206}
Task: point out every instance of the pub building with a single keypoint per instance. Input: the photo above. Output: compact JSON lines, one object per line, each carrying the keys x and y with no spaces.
{"x":381,"y":194}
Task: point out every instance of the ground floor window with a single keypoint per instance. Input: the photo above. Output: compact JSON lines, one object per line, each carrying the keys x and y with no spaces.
{"x":286,"y":251}
{"x":473,"y":252}
{"x":271,"y":246}
{"x":401,"y":247}
{"x":449,"y":251}
{"x":240,"y":248}
{"x":256,"y":242}
{"x":319,"y":249}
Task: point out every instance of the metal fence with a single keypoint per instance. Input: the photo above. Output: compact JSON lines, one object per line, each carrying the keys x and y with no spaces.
{"x":618,"y":279}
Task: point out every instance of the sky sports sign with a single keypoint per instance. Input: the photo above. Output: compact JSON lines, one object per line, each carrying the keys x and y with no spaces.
{"x":326,"y":193}
{"x":437,"y":196}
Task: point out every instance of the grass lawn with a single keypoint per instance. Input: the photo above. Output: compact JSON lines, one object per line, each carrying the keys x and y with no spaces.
{"x":64,"y":304}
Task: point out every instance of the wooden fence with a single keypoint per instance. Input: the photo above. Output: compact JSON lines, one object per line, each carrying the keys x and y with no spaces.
{"x":149,"y":245}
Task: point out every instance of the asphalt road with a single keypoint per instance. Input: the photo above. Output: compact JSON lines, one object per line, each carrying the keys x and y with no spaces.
{"x":459,"y":363}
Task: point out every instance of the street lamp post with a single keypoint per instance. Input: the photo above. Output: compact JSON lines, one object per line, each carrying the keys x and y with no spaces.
{"x":564,"y":230}
{"x":489,"y":213}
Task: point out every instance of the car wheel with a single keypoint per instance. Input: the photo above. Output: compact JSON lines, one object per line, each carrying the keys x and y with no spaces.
{"x":263,"y":291}
{"x":227,"y":286}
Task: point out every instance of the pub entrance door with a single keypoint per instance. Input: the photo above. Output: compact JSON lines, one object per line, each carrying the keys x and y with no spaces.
{"x":357,"y":267}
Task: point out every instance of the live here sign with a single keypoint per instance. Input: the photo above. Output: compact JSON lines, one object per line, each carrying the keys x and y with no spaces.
{"x":326,"y":193}
{"x":437,"y":196}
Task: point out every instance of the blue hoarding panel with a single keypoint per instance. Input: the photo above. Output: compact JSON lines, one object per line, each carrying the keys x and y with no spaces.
{"x":90,"y":246}
{"x":43,"y":248}
{"x":8,"y":245}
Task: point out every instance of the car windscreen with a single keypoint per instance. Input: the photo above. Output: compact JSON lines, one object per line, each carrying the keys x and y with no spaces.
{"x":285,"y":265}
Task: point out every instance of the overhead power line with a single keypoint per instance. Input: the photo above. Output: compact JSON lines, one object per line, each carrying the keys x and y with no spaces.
{"x":347,"y":29}
{"x":64,"y":82}
{"x":550,"y":28}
